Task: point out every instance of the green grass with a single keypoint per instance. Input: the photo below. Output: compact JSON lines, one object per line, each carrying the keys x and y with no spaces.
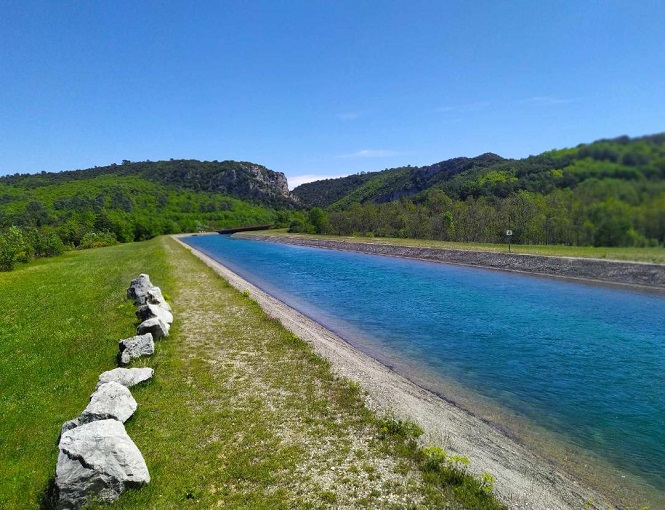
{"x":59,"y":329}
{"x":653,"y":255}
{"x":240,"y":414}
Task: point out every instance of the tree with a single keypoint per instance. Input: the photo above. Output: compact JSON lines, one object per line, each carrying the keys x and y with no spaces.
{"x":319,"y":220}
{"x":12,"y":245}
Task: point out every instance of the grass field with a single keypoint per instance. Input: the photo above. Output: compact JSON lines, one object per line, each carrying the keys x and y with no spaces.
{"x":59,"y":329}
{"x":653,"y":255}
{"x":240,"y":414}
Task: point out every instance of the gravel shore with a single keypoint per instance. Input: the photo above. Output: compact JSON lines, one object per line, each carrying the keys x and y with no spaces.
{"x":524,"y":480}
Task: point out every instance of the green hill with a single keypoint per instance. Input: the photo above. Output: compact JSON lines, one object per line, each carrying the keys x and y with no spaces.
{"x":386,"y":185}
{"x":244,"y":180}
{"x":135,"y":201}
{"x":607,"y":193}
{"x":489,"y":175}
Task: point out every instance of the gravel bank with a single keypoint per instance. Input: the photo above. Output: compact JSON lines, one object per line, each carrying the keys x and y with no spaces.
{"x":524,"y":479}
{"x":634,"y":274}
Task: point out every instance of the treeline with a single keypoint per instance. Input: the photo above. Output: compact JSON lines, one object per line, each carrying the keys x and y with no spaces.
{"x":598,"y":213}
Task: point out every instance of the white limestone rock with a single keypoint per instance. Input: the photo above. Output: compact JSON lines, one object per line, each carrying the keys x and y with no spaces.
{"x":110,"y":401}
{"x":135,"y":347}
{"x":154,"y":296}
{"x":149,"y":311}
{"x":128,"y":377}
{"x":138,"y":289}
{"x":68,"y":425}
{"x":97,"y":461}
{"x":155,"y":326}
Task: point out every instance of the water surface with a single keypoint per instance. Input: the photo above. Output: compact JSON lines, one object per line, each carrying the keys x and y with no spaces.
{"x":582,"y":363}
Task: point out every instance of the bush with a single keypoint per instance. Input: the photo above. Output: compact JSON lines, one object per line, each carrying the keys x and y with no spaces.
{"x":97,"y":240}
{"x":42,"y":243}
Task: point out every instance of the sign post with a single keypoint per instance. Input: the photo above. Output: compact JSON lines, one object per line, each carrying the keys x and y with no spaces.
{"x":509,"y":235}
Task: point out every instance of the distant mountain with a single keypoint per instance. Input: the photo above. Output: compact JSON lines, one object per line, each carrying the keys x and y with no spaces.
{"x":243,"y":180}
{"x":489,"y":175}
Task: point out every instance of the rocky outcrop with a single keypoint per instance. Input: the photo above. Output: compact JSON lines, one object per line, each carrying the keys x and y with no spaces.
{"x":128,"y":377}
{"x":135,"y":347}
{"x":110,"y":401}
{"x":270,"y":179}
{"x":97,"y":460}
{"x":249,"y":180}
{"x":155,"y":326}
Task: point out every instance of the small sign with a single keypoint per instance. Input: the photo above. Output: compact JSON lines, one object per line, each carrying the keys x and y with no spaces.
{"x":509,"y":232}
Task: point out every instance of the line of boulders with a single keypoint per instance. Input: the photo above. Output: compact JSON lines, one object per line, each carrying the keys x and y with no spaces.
{"x":97,"y":459}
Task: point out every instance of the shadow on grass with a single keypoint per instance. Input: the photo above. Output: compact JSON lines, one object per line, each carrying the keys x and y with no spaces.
{"x":48,"y":499}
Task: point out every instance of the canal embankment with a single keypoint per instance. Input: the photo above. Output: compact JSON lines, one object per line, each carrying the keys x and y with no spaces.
{"x":614,"y":272}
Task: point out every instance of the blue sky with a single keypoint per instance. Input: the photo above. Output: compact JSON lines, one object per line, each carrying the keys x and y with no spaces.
{"x":322,"y":88}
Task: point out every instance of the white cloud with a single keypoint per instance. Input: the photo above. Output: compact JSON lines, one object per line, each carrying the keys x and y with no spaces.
{"x":348,"y":116}
{"x":369,"y":153}
{"x":297,"y":180}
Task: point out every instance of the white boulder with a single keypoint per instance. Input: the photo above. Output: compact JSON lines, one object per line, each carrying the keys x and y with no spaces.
{"x":155,"y":326}
{"x":138,"y":289}
{"x":149,"y":311}
{"x":128,"y":377}
{"x":135,"y":347}
{"x":97,"y":461}
{"x":110,"y":401}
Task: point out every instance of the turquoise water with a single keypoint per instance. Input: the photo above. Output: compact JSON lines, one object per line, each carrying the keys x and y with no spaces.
{"x":584,"y":362}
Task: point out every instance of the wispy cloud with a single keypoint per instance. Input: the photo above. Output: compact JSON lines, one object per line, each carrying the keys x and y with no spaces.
{"x":464,"y":108}
{"x":348,"y":115}
{"x":297,"y":180}
{"x":369,"y":153}
{"x":546,"y":101}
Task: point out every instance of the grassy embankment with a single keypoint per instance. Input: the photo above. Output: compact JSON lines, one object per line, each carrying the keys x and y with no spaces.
{"x":652,"y":255}
{"x":240,"y":414}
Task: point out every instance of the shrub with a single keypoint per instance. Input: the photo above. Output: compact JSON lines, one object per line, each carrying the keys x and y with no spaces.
{"x":97,"y":240}
{"x":400,"y":428}
{"x":42,"y":243}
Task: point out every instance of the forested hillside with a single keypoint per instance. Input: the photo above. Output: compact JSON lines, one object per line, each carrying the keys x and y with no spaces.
{"x":388,"y":185}
{"x":244,"y":180}
{"x":44,"y":214}
{"x":607,"y":193}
